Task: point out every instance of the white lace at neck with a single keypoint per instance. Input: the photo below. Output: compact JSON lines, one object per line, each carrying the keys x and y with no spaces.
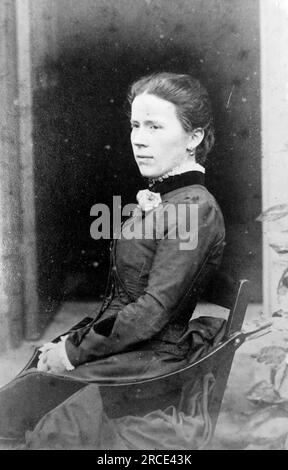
{"x":178,"y":170}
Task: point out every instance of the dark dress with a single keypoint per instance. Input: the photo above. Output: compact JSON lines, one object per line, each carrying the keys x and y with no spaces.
{"x":143,"y":328}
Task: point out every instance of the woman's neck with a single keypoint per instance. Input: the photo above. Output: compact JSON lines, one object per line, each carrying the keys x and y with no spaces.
{"x":178,"y":170}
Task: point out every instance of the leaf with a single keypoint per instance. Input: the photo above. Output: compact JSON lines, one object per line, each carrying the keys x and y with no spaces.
{"x":282,"y":288}
{"x":280,"y":374}
{"x":278,"y":240}
{"x":281,"y":380}
{"x":264,"y":392}
{"x":257,"y":418}
{"x":280,"y":249}
{"x":273,"y":213}
{"x":271,"y":355}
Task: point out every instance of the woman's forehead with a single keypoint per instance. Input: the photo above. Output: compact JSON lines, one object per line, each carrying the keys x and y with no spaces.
{"x":148,"y":106}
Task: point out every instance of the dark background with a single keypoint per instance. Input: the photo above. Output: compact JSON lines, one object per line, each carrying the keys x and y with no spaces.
{"x":81,"y":133}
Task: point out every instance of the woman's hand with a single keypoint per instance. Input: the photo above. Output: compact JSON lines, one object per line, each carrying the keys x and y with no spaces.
{"x":50,"y":359}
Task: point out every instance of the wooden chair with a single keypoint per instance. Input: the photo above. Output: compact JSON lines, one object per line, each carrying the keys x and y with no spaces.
{"x":136,"y":397}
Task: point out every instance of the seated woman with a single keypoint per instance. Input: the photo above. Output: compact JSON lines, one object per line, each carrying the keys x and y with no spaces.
{"x":164,"y":255}
{"x":140,"y":331}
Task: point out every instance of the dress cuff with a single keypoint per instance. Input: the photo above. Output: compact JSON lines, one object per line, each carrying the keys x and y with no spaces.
{"x":63,"y":355}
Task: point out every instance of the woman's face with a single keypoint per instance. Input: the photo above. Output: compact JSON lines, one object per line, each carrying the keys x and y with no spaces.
{"x":158,"y":139}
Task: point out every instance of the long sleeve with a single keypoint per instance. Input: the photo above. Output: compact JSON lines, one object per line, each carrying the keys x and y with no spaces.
{"x":172,"y":273}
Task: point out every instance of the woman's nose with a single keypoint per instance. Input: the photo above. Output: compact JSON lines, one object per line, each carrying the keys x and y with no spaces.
{"x":139,"y":137}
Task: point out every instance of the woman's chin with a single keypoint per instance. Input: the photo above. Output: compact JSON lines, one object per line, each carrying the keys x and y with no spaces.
{"x":148,"y":174}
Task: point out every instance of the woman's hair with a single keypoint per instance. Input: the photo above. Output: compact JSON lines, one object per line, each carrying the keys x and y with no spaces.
{"x":191,"y":99}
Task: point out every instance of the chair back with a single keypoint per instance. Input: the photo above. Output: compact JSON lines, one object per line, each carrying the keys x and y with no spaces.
{"x":233,"y":295}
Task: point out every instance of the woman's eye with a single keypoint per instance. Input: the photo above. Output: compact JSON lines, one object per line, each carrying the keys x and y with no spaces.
{"x":151,"y":126}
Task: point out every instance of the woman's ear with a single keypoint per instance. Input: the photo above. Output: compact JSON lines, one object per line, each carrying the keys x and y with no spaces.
{"x":195,"y":139}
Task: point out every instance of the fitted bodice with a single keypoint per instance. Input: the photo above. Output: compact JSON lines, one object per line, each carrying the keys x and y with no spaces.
{"x":154,"y":282}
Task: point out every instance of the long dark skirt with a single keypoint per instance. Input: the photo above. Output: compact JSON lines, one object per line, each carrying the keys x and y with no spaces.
{"x":82,"y":409}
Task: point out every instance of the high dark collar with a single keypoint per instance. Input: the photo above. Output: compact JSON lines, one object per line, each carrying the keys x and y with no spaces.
{"x":178,"y":181}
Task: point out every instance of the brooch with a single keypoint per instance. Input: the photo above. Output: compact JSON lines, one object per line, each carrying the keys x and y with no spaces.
{"x":147,"y":200}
